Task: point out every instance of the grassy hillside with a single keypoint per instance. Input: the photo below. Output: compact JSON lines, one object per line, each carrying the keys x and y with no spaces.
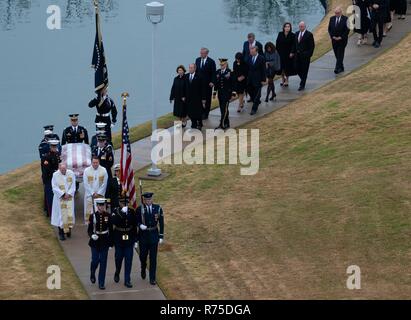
{"x":28,"y":244}
{"x":333,"y":190}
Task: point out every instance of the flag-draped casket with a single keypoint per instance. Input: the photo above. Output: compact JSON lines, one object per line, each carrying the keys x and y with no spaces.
{"x":77,"y":156}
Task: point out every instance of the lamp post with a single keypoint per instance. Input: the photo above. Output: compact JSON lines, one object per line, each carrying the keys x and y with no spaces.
{"x":155,"y":15}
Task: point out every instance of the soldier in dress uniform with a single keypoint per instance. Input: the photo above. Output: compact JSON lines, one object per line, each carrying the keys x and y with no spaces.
{"x":100,"y":231}
{"x":49,"y":165}
{"x":44,"y":149}
{"x":44,"y":146}
{"x":149,"y":218}
{"x":124,"y":237}
{"x":105,"y":153}
{"x":75,"y":133}
{"x":100,"y":129}
{"x":224,"y":87}
{"x":105,"y":108}
{"x":114,"y":190}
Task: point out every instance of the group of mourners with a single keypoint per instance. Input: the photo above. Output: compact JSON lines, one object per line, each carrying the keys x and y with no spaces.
{"x":252,"y":68}
{"x":111,"y":221}
{"x":377,"y":16}
{"x":256,"y":66}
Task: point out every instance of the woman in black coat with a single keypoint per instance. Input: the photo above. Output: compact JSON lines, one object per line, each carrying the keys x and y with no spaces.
{"x":285,"y":42}
{"x":240,"y":71}
{"x":178,"y":95}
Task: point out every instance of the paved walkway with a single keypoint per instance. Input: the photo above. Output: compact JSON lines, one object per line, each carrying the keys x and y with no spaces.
{"x":321,"y":73}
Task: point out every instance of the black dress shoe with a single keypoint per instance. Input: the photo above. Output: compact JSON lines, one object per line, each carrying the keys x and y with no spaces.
{"x":62,"y":236}
{"x":102,"y":287}
{"x":93,"y":279}
{"x":153,"y":282}
{"x":249,"y":100}
{"x":143,"y":274}
{"x":69,"y":234}
{"x":219,"y":127}
{"x":116,"y":277}
{"x":273,"y":97}
{"x":252,"y":113}
{"x":128,"y":285}
{"x":301,"y":88}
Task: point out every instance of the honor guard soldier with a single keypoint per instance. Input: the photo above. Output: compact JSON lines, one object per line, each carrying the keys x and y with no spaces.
{"x":100,"y":231}
{"x":74,"y":133}
{"x":100,"y":129}
{"x":44,"y":146}
{"x":49,"y":165}
{"x":149,"y":218}
{"x":104,"y":152}
{"x":114,"y":189}
{"x":224,"y":87}
{"x":124,"y":237}
{"x":105,"y":108}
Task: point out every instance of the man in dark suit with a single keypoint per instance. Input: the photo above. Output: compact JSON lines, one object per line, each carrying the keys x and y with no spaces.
{"x":206,"y":67}
{"x":338,"y":31}
{"x":74,"y":133}
{"x":251,"y":42}
{"x":302,"y":51}
{"x":256,"y":77}
{"x":195,"y":97}
{"x":379,"y":10}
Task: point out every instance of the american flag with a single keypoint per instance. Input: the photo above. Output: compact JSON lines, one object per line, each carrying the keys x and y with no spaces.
{"x":126,"y":168}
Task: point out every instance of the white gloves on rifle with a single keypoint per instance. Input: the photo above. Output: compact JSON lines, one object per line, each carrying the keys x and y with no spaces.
{"x":124,"y":210}
{"x":136,"y":245}
{"x":94,"y":237}
{"x":143,"y":227}
{"x":161,"y":241}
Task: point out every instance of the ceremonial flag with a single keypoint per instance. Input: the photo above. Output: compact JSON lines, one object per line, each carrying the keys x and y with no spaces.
{"x":99,"y":58}
{"x":126,"y":168}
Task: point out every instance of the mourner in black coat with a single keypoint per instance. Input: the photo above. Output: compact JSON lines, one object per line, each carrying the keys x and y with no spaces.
{"x":196,"y":97}
{"x":74,"y":133}
{"x":240,"y":73}
{"x":149,"y":220}
{"x":251,"y":42}
{"x":178,"y":95}
{"x":284,"y":44}
{"x":206,"y":67}
{"x":256,"y":78}
{"x":338,"y":31}
{"x":303,"y":50}
{"x":379,"y":11}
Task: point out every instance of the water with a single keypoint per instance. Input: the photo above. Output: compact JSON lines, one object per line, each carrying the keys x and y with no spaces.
{"x":45,"y":75}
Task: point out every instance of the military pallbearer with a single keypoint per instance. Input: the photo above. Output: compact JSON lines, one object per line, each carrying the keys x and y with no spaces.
{"x":224,"y":88}
{"x":74,"y":133}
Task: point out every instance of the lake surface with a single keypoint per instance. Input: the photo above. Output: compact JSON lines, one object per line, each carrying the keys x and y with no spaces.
{"x":45,"y":75}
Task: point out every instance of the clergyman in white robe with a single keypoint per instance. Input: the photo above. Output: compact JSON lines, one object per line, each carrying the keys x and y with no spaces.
{"x":95,"y":183}
{"x":64,"y":188}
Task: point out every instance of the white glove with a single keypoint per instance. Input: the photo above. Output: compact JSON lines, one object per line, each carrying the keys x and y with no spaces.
{"x":94,"y":237}
{"x":136,"y":245}
{"x":143,"y":227}
{"x":161,"y":241}
{"x":112,"y":125}
{"x":124,"y":210}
